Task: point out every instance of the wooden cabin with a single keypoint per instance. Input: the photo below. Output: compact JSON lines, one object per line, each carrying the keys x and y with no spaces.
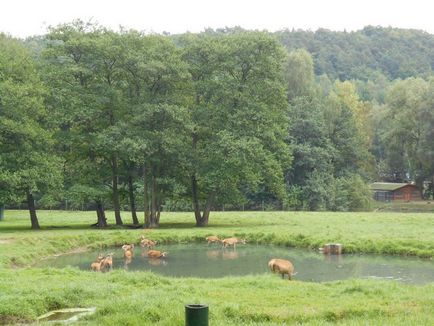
{"x":387,"y":191}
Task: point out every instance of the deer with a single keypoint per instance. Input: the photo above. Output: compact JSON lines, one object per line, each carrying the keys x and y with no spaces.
{"x":128,"y":250}
{"x":282,"y":266}
{"x":212,"y":239}
{"x":147,"y":243}
{"x":232,"y":242}
{"x":96,"y":266}
{"x":107,"y":262}
{"x":156,"y":254}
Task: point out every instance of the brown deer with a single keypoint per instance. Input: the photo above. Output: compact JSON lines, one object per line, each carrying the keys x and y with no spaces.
{"x":232,"y":242}
{"x":96,"y":266}
{"x":107,"y":262}
{"x":282,"y":266}
{"x":156,"y":254}
{"x":128,"y":250}
{"x":212,"y":239}
{"x":147,"y":243}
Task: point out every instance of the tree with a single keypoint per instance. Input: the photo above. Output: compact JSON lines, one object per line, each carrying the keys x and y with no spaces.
{"x":299,"y":73}
{"x":349,"y":129}
{"x":69,"y":69}
{"x":407,"y":137}
{"x":239,"y":117}
{"x":28,"y":165}
{"x":156,"y":121}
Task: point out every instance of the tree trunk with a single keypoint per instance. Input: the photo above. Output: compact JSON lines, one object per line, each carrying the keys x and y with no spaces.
{"x":145,"y":198}
{"x":154,"y":203}
{"x":158,"y":211}
{"x":132,"y":200}
{"x":32,"y":211}
{"x":102,"y":221}
{"x":202,"y":219}
{"x":195,"y":195}
{"x":432,"y":187}
{"x":116,"y":205}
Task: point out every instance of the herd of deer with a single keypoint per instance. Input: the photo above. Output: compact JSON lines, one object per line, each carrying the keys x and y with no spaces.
{"x":104,"y":263}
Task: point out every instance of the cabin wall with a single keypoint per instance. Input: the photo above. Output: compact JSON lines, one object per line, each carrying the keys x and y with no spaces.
{"x":407,"y":193}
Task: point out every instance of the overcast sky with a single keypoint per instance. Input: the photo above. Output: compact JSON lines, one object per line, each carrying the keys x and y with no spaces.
{"x":23,"y":18}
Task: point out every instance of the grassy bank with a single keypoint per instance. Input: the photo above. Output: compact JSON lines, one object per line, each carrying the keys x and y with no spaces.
{"x":133,"y":298}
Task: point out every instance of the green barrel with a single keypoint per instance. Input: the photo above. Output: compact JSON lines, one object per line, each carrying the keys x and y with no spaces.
{"x":196,"y":315}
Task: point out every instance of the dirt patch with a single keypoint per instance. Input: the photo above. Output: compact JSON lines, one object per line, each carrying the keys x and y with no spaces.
{"x":3,"y":241}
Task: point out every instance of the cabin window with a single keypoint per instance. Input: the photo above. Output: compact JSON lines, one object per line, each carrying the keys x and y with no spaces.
{"x":382,"y":195}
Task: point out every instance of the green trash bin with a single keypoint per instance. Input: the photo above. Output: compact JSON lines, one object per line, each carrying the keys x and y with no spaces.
{"x":196,"y":315}
{"x":2,"y":209}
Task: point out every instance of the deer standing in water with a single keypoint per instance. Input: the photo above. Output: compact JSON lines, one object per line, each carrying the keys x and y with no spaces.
{"x":107,"y":262}
{"x":232,"y":242}
{"x":128,"y":251}
{"x":96,"y":266}
{"x":147,"y":243}
{"x":156,"y":254}
{"x":213,"y":239}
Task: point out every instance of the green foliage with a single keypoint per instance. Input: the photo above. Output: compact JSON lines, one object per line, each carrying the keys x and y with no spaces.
{"x":395,"y":53}
{"x":407,"y":135}
{"x":27,"y":161}
{"x":225,"y":117}
{"x":239,"y":115}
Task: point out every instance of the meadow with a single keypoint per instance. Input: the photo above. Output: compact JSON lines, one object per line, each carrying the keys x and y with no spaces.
{"x":132,"y":298}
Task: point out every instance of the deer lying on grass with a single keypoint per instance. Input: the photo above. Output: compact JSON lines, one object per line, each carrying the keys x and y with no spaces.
{"x":282,"y":266}
{"x":128,"y":250}
{"x":212,"y":239}
{"x":232,"y":242}
{"x":147,"y":243}
{"x":156,"y":254}
{"x":96,"y":266}
{"x":107,"y":262}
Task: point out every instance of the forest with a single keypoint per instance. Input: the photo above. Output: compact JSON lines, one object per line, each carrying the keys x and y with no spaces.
{"x":93,"y":119}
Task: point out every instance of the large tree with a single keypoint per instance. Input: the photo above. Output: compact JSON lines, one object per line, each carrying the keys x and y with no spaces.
{"x":239,"y":117}
{"x":28,"y":165}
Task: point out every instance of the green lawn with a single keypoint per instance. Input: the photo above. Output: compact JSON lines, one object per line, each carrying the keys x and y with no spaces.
{"x":142,"y":298}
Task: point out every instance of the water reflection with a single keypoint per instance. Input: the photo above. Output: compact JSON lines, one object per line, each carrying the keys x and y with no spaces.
{"x":230,"y":254}
{"x":205,"y":261}
{"x":157,"y":262}
{"x":213,"y":254}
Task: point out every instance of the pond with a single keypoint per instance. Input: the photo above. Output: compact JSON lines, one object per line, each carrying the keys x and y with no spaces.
{"x":197,"y":260}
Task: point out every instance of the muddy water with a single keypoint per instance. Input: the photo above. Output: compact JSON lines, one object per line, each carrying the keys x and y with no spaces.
{"x":197,"y":260}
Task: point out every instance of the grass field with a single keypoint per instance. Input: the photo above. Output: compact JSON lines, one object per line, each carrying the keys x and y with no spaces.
{"x":142,"y":298}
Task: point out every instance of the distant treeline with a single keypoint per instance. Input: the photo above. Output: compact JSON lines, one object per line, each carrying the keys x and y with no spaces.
{"x":225,"y":119}
{"x":393,"y":52}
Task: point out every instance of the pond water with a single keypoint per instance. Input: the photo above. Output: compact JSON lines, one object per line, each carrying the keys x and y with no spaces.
{"x":197,"y":260}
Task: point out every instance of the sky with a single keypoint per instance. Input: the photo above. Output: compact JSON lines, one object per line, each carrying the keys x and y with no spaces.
{"x":22,"y":18}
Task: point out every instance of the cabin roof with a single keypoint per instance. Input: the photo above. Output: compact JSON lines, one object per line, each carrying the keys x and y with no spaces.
{"x":388,"y":186}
